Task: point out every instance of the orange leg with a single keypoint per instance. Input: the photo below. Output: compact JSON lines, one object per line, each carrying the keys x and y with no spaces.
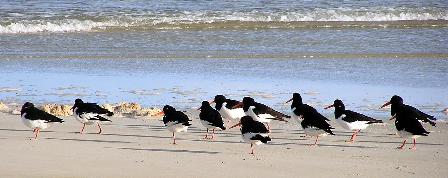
{"x":37,"y":133}
{"x":401,"y":147}
{"x":315,"y":142}
{"x":269,"y":128}
{"x":82,"y":130}
{"x":174,"y":139}
{"x":352,"y":139}
{"x":252,"y":149}
{"x":99,"y":128}
{"x":213,"y":134}
{"x":206,"y":135}
{"x":413,"y":146}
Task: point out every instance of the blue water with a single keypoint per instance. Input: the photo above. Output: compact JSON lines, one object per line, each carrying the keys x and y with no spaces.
{"x":183,"y":52}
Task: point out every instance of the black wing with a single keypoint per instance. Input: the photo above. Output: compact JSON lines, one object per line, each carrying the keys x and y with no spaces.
{"x":263,"y":109}
{"x":182,"y":118}
{"x":410,"y":124}
{"x":212,"y":116}
{"x":94,"y":108}
{"x":37,"y":114}
{"x":231,"y":103}
{"x":351,"y":116}
{"x":254,"y":127}
{"x":315,"y":119}
{"x":305,"y":107}
{"x":414,"y":112}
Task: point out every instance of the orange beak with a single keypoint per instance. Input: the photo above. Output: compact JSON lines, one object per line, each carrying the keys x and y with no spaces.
{"x":288,"y":101}
{"x":385,"y":104}
{"x":329,"y":106}
{"x":239,"y":105}
{"x":393,"y":117}
{"x":159,"y":113}
{"x":236,"y":125}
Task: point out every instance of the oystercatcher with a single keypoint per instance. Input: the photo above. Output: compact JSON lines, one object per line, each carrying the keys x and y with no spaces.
{"x":260,"y":112}
{"x":406,"y":121}
{"x":351,"y":120}
{"x":210,"y":119}
{"x":396,"y":101}
{"x":175,"y":121}
{"x":37,"y":119}
{"x":90,"y":113}
{"x":253,"y":132}
{"x":224,"y":106}
{"x":313,"y":123}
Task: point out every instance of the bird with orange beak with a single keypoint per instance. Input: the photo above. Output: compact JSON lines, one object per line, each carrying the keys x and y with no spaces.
{"x":351,"y":120}
{"x":253,"y":132}
{"x":313,"y":123}
{"x":406,"y":121}
{"x":175,"y":121}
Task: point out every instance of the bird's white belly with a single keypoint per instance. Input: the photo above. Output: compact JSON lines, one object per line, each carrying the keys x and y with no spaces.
{"x":405,"y":134}
{"x":353,"y":125}
{"x":85,"y":118}
{"x":41,"y":124}
{"x":246,"y":137}
{"x":176,"y":127}
{"x":260,"y":118}
{"x":232,"y":114}
{"x":313,"y":131}
{"x":207,"y":125}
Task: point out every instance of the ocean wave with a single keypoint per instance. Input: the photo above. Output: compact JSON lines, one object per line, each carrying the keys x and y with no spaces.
{"x":318,"y":18}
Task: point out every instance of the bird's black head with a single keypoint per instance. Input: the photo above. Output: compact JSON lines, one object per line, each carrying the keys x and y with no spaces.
{"x":338,"y":104}
{"x":248,"y":102}
{"x":167,"y":109}
{"x":26,"y":106}
{"x":396,"y":100}
{"x":205,"y":104}
{"x":77,"y":103}
{"x":296,"y":100}
{"x":219,"y":99}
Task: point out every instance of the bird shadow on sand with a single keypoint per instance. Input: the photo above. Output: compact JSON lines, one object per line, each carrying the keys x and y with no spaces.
{"x":24,"y":130}
{"x":400,"y":142}
{"x":171,"y":150}
{"x":139,"y":136}
{"x":215,"y":141}
{"x":88,"y":140}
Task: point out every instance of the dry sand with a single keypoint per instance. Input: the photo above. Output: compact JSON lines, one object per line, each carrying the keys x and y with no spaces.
{"x":142,"y":148}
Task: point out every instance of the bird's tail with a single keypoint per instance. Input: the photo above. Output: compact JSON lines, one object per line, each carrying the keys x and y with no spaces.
{"x":109,"y":113}
{"x":261,"y":138}
{"x":329,"y":131}
{"x":101,"y":118}
{"x":375,"y":121}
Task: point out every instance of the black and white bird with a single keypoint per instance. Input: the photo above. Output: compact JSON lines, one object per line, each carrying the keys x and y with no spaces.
{"x":351,"y":120}
{"x":175,"y":121}
{"x":90,"y":113}
{"x":260,"y":112}
{"x":396,"y":101}
{"x":210,"y":119}
{"x":406,"y":121}
{"x":37,"y":119}
{"x":314,"y":124}
{"x":225,"y":108}
{"x":253,"y":132}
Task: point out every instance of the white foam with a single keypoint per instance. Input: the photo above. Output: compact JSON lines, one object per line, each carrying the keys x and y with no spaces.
{"x":180,"y":19}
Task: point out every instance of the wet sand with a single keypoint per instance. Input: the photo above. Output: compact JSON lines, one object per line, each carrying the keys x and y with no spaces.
{"x":142,"y":148}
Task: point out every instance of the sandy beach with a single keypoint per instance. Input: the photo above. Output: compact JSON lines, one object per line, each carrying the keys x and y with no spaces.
{"x":132,"y":147}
